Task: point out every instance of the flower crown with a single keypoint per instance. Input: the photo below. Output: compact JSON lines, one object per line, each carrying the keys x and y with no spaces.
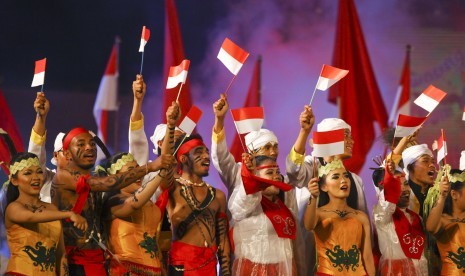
{"x":335,"y":164}
{"x":115,"y":167}
{"x":25,"y":163}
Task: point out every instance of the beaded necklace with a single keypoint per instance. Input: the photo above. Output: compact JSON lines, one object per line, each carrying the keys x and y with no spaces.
{"x":190,"y":197}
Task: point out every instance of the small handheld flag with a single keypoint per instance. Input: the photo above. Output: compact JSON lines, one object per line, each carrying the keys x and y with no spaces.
{"x":328,"y":143}
{"x":190,"y":121}
{"x":143,"y":41}
{"x":233,"y":57}
{"x":178,"y":74}
{"x":39,"y":73}
{"x":430,"y":98}
{"x":407,"y":125}
{"x":442,"y":147}
{"x":248,"y":119}
{"x":329,"y":75}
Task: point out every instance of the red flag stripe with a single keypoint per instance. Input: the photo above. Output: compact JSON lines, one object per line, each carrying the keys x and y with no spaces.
{"x":331,"y":72}
{"x":111,"y":68}
{"x":410,"y":121}
{"x":328,"y":137}
{"x":145,"y":33}
{"x":40,"y":66}
{"x":176,"y":70}
{"x":194,"y":114}
{"x":247,"y":113}
{"x":235,"y":51}
{"x":434,"y":93}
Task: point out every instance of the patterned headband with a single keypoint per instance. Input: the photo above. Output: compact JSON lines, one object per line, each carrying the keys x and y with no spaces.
{"x":25,"y":163}
{"x":115,"y":167}
{"x":335,"y":164}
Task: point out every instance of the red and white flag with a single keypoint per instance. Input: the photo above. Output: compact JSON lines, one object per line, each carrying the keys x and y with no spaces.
{"x":107,"y":95}
{"x":39,"y":73}
{"x":329,"y":75}
{"x":463,"y":116}
{"x":402,"y":100}
{"x":178,"y":74}
{"x":442,"y":147}
{"x":248,"y":119}
{"x":144,"y":38}
{"x":232,"y":56}
{"x":430,"y":98}
{"x":190,"y":121}
{"x":328,"y":143}
{"x":407,"y":125}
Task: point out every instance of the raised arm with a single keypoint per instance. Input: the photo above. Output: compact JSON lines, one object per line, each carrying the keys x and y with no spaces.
{"x":224,"y":250}
{"x":143,"y":194}
{"x":173,"y":114}
{"x":434,"y":221}
{"x":307,"y":120}
{"x":311,"y":216}
{"x":138,"y":144}
{"x":38,"y":134}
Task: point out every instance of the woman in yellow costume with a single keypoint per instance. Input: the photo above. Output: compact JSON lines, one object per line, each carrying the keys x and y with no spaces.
{"x":133,"y":230}
{"x":342,"y":233}
{"x":446,"y":220}
{"x":33,"y":227}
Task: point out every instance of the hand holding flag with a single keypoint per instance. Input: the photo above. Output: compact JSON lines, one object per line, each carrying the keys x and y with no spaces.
{"x":143,"y":40}
{"x":329,"y":75}
{"x":233,"y":57}
{"x":430,"y":98}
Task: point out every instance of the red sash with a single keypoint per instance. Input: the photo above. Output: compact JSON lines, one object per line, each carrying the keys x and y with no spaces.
{"x":82,"y":189}
{"x":411,"y":236}
{"x":91,"y":259}
{"x":280,"y":217}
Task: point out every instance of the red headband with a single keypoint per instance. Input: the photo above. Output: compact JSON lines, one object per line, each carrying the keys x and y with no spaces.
{"x":187,"y":146}
{"x":71,"y":134}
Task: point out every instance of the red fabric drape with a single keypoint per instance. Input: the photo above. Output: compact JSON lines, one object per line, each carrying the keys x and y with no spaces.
{"x":359,"y":90}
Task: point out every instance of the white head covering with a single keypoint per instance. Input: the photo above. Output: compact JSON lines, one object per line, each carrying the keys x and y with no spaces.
{"x":57,"y":146}
{"x":462,"y":161}
{"x":329,"y":124}
{"x":158,"y":135}
{"x":411,"y":154}
{"x":257,"y":139}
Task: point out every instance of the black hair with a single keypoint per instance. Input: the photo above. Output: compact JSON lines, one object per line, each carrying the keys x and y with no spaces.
{"x":12,"y":192}
{"x":260,"y":159}
{"x":388,"y":135}
{"x":456,"y":186}
{"x":352,"y":199}
{"x":181,"y":141}
{"x":378,"y":176}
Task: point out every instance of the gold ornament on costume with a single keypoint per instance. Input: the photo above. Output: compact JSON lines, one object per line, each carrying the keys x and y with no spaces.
{"x":335,"y":164}
{"x":456,"y":177}
{"x":25,"y":163}
{"x":115,"y":167}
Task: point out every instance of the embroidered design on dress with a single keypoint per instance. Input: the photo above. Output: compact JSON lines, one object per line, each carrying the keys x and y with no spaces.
{"x":288,"y":223}
{"x":342,"y":259}
{"x":415,"y":243}
{"x":42,"y":256}
{"x":149,"y":244}
{"x":457,"y":259}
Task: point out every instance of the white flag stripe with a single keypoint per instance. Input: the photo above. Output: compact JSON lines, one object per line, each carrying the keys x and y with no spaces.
{"x":402,"y":131}
{"x":142,"y":45}
{"x":187,"y":125}
{"x":426,"y":102}
{"x":322,"y":150}
{"x":231,"y":63}
{"x":246,"y":126}
{"x":442,"y":152}
{"x":173,"y":81}
{"x":463,"y":116}
{"x":38,"y":79}
{"x":107,"y":94}
{"x":325,"y":83}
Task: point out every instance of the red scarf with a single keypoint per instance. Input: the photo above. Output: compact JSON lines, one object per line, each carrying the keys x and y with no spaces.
{"x":82,"y":189}
{"x":280,"y":217}
{"x":411,"y":236}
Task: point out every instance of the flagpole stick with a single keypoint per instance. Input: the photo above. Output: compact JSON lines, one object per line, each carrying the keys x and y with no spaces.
{"x":41,"y":90}
{"x":141,"y":64}
{"x":444,"y":145}
{"x":185,"y":136}
{"x":313,"y":95}
{"x":229,"y":86}
{"x":179,"y":92}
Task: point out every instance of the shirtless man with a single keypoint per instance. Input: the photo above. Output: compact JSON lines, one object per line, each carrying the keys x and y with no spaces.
{"x":196,"y":209}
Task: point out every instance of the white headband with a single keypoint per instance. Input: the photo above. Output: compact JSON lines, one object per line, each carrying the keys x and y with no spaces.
{"x":158,"y":135}
{"x":329,"y":124}
{"x":412,"y":154}
{"x":462,"y":161}
{"x":257,"y":139}
{"x":57,"y":146}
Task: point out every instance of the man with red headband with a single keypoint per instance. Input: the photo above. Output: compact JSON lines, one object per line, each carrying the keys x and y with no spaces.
{"x":196,"y":209}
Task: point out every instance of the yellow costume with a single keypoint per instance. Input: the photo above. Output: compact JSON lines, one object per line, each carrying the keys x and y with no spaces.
{"x":339,"y":246}
{"x":135,"y":244}
{"x":33,"y":252}
{"x":451,"y":245}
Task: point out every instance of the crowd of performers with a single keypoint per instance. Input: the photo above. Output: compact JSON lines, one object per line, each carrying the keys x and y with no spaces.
{"x":131,"y":216}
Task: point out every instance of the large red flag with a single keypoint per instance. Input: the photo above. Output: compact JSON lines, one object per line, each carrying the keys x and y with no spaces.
{"x":402,"y":101}
{"x":174,"y":55}
{"x":107,"y":95}
{"x":7,"y":123}
{"x":359,"y":91}
{"x":253,"y":99}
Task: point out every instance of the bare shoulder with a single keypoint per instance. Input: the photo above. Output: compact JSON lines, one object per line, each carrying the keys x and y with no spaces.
{"x":220,"y":194}
{"x":360,"y":215}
